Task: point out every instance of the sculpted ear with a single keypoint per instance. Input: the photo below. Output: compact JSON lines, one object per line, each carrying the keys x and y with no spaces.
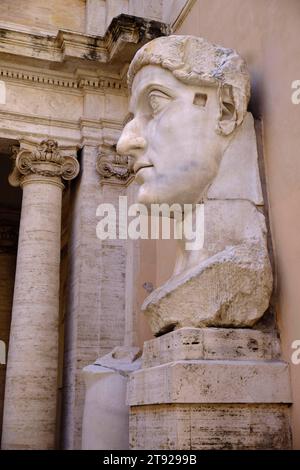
{"x":228,"y":113}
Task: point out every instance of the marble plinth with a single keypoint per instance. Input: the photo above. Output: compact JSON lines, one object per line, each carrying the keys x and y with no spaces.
{"x":210,"y":389}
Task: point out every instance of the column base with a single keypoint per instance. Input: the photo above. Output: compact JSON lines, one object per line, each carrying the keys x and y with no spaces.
{"x":203,"y":403}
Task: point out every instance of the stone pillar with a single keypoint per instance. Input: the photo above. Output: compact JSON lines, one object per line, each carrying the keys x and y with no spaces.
{"x":115,"y":175}
{"x":8,"y":251}
{"x":83,"y":318}
{"x":31,"y":380}
{"x":95,"y":322}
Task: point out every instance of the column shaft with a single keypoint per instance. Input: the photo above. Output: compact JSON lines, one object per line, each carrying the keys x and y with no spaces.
{"x":31,"y":379}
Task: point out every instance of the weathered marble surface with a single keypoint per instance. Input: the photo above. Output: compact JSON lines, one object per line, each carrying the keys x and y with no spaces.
{"x":231,"y":288}
{"x":194,"y":142}
{"x":106,"y":414}
{"x":207,"y":381}
{"x":211,"y":343}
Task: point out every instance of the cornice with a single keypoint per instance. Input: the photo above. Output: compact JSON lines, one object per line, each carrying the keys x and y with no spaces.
{"x":73,"y":132}
{"x":36,"y":77}
{"x":36,"y":119}
{"x":64,"y":123}
{"x":123,"y":37}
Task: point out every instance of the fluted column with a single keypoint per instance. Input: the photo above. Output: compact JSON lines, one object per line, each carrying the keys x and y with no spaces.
{"x":31,"y":379}
{"x":8,"y":250}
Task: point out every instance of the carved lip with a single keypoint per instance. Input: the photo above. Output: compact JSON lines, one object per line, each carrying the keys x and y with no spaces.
{"x":139,"y":166}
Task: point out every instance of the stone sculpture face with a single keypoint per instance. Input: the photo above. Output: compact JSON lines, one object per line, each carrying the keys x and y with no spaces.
{"x":172,"y":137}
{"x":180,"y":128}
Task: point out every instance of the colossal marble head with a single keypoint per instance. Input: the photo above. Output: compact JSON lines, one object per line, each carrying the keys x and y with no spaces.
{"x":187,"y":98}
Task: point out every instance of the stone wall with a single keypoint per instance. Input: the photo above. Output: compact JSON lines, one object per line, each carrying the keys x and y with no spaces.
{"x":50,"y":15}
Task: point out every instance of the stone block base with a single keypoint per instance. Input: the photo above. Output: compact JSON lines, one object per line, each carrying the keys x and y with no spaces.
{"x":183,"y":398}
{"x":213,"y":426}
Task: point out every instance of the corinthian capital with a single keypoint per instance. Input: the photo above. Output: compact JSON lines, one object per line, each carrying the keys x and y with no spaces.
{"x":46,"y":160}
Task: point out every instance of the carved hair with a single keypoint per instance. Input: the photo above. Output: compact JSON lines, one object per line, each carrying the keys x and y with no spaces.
{"x":195,"y":61}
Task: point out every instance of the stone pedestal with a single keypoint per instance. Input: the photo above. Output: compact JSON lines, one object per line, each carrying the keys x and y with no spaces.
{"x":210,"y":388}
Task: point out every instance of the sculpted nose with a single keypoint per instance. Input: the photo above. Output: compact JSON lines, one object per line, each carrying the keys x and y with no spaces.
{"x":130,"y":143}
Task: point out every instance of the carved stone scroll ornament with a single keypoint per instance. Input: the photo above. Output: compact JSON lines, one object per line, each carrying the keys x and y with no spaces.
{"x":114,"y":168}
{"x":45,"y":160}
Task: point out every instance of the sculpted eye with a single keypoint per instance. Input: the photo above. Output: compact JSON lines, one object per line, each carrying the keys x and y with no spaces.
{"x":157,"y":101}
